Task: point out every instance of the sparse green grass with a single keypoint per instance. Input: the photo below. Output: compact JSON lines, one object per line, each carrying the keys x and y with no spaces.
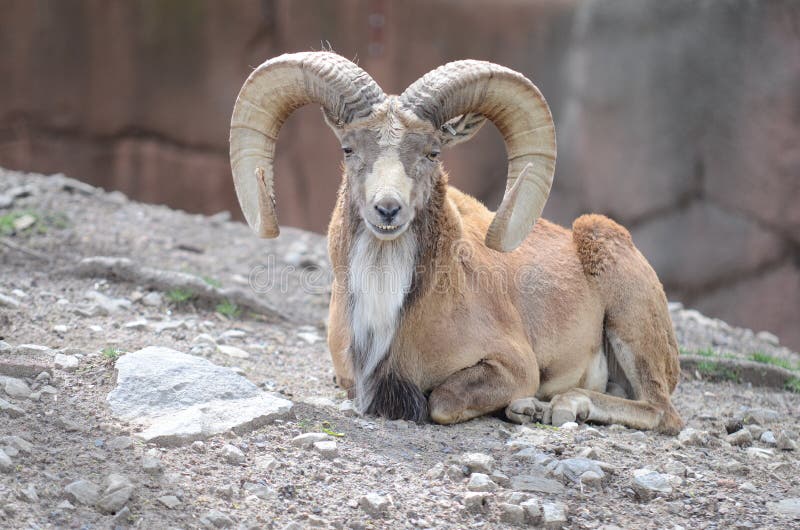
{"x":111,"y":353}
{"x":40,"y":225}
{"x":325,"y":426}
{"x":765,"y":358}
{"x":179,"y":296}
{"x":330,"y":429}
{"x":212,"y":281}
{"x":706,"y":352}
{"x":715,"y":370}
{"x":793,"y":385}
{"x":229,"y":309}
{"x":544,"y":426}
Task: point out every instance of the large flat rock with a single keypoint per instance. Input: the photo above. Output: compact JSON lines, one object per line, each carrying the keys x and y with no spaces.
{"x":178,"y":398}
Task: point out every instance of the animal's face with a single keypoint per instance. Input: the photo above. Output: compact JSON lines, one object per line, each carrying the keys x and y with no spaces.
{"x":392,"y":164}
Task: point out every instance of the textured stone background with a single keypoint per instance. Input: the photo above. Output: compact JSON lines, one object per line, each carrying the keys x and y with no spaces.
{"x":679,"y":119}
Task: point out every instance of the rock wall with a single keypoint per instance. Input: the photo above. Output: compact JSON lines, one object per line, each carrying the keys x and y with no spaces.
{"x":679,"y":119}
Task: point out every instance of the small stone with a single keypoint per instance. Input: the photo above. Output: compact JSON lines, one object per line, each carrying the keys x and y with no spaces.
{"x":65,"y":362}
{"x":768,"y":337}
{"x":693,"y":437}
{"x":152,"y":299}
{"x":24,"y":222}
{"x":11,"y":409}
{"x":533,"y":511}
{"x":7,"y":301}
{"x":478,"y":463}
{"x":266,"y":462}
{"x":33,"y":349}
{"x":374,"y":504}
{"x":6,"y":465}
{"x":571,"y":469}
{"x":785,"y":443}
{"x":475,"y":500}
{"x":757,"y":453}
{"x":170,"y":501}
{"x":116,"y":493}
{"x":675,"y":468}
{"x":198,"y":446}
{"x":768,"y":437}
{"x":216,"y":519}
{"x":790,"y":507}
{"x":232,"y":454}
{"x":82,"y":492}
{"x":233,"y":351}
{"x":327,"y":448}
{"x":307,"y":440}
{"x":19,"y":443}
{"x":119,"y":442}
{"x":500,"y":478}
{"x":347,"y":408}
{"x":647,"y":484}
{"x":588,"y":452}
{"x":139,"y":323}
{"x":535,"y":483}
{"x":749,"y":487}
{"x":511,"y":513}
{"x":11,"y":451}
{"x":65,"y":505}
{"x":151,"y":463}
{"x":454,"y":472}
{"x":740,"y":438}
{"x":760,"y":416}
{"x":123,"y":517}
{"x":16,"y":388}
{"x":591,"y":479}
{"x":480,"y":482}
{"x":569,"y":426}
{"x":29,"y":494}
{"x":436,"y":472}
{"x":756,"y":430}
{"x":554,"y":514}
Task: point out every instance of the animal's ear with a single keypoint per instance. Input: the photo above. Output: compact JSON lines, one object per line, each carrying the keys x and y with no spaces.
{"x":333,"y":123}
{"x":461,"y":128}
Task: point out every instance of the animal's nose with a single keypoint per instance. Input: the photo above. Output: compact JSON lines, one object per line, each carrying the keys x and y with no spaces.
{"x":388,"y":208}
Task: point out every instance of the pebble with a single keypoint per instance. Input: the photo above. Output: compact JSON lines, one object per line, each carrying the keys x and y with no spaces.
{"x":170,"y":501}
{"x":82,"y":492}
{"x":347,"y":408}
{"x":327,"y":448}
{"x":554,"y":514}
{"x":29,"y":494}
{"x":232,"y":454}
{"x":481,"y":482}
{"x":123,"y":517}
{"x":151,"y":463}
{"x":454,"y":472}
{"x":152,"y":299}
{"x":307,"y":440}
{"x":117,"y":492}
{"x":478,"y":463}
{"x":569,"y":426}
{"x":500,"y":478}
{"x":591,"y":479}
{"x":12,"y":410}
{"x":19,"y":443}
{"x":8,"y":301}
{"x":374,"y":504}
{"x":6,"y":465}
{"x":749,"y":487}
{"x":690,"y":436}
{"x":16,"y":388}
{"x":647,"y":484}
{"x":266,"y":463}
{"x":758,"y":453}
{"x":511,"y":513}
{"x":760,"y":416}
{"x":65,"y":505}
{"x":475,"y":500}
{"x":216,"y":519}
{"x":785,"y":443}
{"x":768,"y":437}
{"x":65,"y":362}
{"x":436,"y":472}
{"x":533,"y":511}
{"x":119,"y":442}
{"x":790,"y":507}
{"x":740,"y":438}
{"x":233,"y":351}
{"x":198,"y":446}
{"x":572,"y":469}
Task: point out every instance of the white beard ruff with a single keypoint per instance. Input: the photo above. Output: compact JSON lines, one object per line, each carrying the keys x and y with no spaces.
{"x":379,"y":278}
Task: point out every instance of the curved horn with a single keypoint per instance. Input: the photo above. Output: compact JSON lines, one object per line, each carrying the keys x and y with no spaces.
{"x":519,"y":111}
{"x":271,"y":93}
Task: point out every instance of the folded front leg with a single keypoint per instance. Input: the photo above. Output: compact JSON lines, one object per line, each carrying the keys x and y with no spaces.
{"x":485,"y":387}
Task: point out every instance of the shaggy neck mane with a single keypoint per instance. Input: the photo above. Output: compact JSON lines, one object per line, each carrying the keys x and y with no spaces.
{"x":384,"y":279}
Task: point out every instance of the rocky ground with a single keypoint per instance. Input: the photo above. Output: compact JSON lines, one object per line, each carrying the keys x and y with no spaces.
{"x":181,"y":443}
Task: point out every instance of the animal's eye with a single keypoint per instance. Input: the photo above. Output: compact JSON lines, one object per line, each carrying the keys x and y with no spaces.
{"x":347,"y":151}
{"x":433,"y":155}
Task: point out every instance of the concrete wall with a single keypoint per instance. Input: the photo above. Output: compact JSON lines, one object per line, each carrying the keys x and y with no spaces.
{"x":679,"y":119}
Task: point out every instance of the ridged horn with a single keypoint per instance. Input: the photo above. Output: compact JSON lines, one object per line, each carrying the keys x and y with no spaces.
{"x":519,"y":111}
{"x":269,"y":95}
